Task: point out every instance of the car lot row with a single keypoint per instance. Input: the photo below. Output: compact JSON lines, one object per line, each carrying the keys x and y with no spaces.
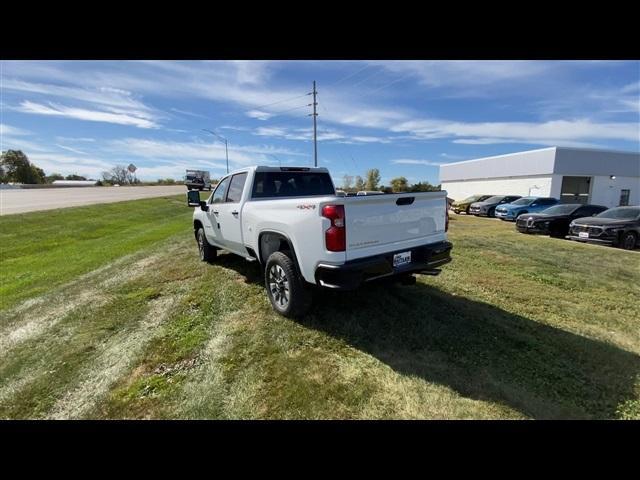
{"x":618,"y":226}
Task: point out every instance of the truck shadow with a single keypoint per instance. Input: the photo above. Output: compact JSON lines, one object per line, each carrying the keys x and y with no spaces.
{"x":478,"y":350}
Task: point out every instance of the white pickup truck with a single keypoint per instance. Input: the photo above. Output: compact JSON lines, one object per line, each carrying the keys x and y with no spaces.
{"x":291,"y":221}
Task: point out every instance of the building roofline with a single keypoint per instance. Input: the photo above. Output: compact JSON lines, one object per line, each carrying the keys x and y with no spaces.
{"x":541,"y":150}
{"x":498,"y":156}
{"x":610,"y":150}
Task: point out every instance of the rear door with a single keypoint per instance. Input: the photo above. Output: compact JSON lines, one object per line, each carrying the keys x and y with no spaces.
{"x":229,"y":214}
{"x":392,"y":222}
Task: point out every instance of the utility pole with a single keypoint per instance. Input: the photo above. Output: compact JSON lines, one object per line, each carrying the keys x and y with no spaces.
{"x":315,"y":132}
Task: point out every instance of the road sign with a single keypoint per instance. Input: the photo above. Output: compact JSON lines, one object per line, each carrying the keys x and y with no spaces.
{"x":132,"y":168}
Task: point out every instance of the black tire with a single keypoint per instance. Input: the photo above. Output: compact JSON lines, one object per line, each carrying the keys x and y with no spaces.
{"x":467,"y":210}
{"x":208,"y":253}
{"x":491,"y":213}
{"x":287,"y":292}
{"x":628,"y":241}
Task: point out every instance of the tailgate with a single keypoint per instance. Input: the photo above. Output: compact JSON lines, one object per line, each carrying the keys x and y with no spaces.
{"x":385,"y":223}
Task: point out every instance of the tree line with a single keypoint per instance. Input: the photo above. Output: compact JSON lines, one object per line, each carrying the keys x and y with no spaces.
{"x":15,"y":167}
{"x":371,"y":182}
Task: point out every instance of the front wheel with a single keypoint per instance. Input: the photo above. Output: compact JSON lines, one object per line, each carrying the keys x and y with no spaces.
{"x":207,"y":252}
{"x":289,"y":295}
{"x":491,"y":213}
{"x":628,"y":241}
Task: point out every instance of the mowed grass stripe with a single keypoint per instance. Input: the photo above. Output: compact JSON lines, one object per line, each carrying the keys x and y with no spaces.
{"x":44,"y":249}
{"x":515,"y":327}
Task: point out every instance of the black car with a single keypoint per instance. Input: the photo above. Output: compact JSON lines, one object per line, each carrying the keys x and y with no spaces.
{"x":555,"y":220}
{"x":619,"y":226}
{"x":487,"y":208}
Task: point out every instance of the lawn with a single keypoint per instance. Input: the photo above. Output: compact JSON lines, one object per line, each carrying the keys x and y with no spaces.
{"x":106,"y":312}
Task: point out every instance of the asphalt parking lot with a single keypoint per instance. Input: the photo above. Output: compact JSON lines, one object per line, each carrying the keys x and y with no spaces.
{"x":28,"y":200}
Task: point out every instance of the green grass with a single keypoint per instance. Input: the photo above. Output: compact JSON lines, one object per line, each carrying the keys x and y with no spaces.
{"x":127,"y":323}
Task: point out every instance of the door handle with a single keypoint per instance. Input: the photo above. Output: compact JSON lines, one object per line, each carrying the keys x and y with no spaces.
{"x":234,"y":213}
{"x":215,"y":213}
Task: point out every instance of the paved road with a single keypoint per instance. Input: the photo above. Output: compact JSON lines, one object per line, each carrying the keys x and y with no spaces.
{"x":21,"y":201}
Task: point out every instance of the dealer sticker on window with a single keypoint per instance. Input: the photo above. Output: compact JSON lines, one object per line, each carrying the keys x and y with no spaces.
{"x":401,"y":258}
{"x":583,"y":234}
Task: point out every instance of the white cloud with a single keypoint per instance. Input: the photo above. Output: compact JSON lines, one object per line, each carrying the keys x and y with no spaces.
{"x":9,"y":130}
{"x":409,"y":161}
{"x":259,"y":114}
{"x":119,"y":117}
{"x":551,"y":132}
{"x":70,"y":149}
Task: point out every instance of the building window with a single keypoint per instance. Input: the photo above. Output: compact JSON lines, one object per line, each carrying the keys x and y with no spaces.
{"x":624,"y":197}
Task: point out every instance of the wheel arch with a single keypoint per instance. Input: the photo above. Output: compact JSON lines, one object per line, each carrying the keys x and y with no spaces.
{"x":270,"y":241}
{"x":197,"y":224}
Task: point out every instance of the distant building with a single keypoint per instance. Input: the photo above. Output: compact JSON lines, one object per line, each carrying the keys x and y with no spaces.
{"x":74,"y":183}
{"x":573,"y":175}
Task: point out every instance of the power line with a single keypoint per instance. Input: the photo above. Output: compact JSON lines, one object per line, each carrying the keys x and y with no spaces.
{"x":349,"y":76}
{"x":287,"y":110}
{"x":281,"y":101}
{"x":368,"y":77}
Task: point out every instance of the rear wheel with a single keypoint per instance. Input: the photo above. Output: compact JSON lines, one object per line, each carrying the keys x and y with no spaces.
{"x":287,"y":292}
{"x":628,"y":241}
{"x":208,"y":253}
{"x":467,"y":210}
{"x":491,"y":213}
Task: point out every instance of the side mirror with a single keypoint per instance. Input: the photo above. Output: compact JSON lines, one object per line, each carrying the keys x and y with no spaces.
{"x":193,"y":198}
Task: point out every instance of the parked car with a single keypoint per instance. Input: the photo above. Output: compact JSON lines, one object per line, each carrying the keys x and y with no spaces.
{"x":510,"y":211}
{"x":619,"y":226}
{"x":463,"y":205}
{"x":487,"y":208}
{"x":291,"y":221}
{"x":555,"y":220}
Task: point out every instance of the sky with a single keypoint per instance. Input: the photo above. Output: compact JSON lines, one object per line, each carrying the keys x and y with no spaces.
{"x":403,"y":117}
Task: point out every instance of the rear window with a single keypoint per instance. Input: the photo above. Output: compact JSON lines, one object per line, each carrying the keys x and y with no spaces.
{"x":291,"y":184}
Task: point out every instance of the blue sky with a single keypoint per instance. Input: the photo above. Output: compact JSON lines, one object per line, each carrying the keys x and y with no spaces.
{"x":403,"y":117}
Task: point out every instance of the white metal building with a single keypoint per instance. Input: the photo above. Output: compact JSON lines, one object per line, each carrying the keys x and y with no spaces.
{"x":574,"y":175}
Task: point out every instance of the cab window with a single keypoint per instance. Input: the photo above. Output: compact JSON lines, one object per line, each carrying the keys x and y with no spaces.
{"x":218,"y":194}
{"x":236,"y":187}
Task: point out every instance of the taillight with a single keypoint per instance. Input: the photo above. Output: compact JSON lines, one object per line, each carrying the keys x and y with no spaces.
{"x":335,"y":236}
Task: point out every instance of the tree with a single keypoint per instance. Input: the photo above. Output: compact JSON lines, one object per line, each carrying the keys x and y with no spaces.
{"x":2,"y":174}
{"x":75,"y":177}
{"x":424,"y":187}
{"x":359,"y":186}
{"x":347,"y":181}
{"x":373,"y":179}
{"x":120,"y":175}
{"x":399,"y":184}
{"x":53,"y":177}
{"x":17,"y":168}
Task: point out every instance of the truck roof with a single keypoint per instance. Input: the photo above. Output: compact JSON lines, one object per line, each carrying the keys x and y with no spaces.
{"x":265,"y":168}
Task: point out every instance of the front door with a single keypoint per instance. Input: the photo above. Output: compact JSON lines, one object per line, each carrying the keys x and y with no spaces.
{"x":211,"y":219}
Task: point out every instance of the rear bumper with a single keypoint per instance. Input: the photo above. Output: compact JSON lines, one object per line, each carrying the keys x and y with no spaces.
{"x":352,"y":274}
